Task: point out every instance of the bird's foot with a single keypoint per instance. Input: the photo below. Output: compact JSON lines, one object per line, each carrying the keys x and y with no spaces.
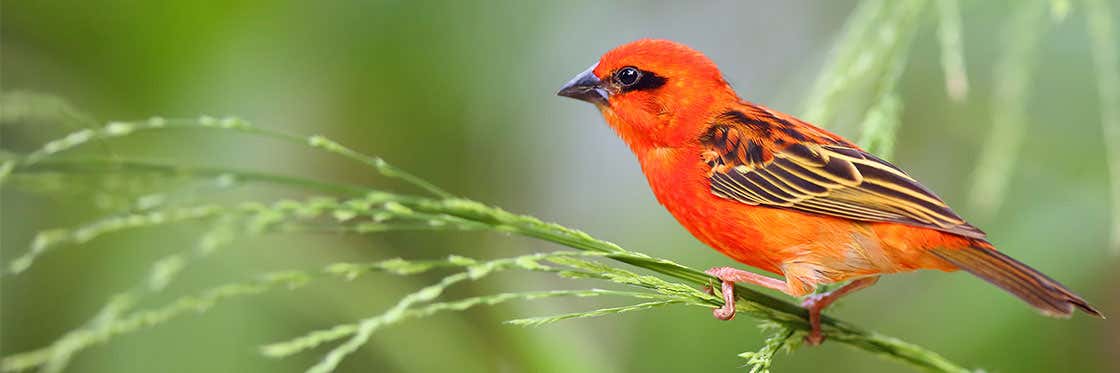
{"x":729,"y":276}
{"x":813,"y":304}
{"x":817,"y":302}
{"x":727,"y":290}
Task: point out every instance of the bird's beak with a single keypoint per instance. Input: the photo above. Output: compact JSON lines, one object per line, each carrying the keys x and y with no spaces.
{"x":585,"y":87}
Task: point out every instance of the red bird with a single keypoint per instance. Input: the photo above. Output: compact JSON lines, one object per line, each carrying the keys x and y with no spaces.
{"x":782,"y":195}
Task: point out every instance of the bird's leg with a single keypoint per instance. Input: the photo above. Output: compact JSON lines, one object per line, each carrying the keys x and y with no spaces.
{"x":729,"y":276}
{"x":817,"y":302}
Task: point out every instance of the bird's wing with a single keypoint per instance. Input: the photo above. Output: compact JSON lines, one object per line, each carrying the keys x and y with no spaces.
{"x":837,"y":180}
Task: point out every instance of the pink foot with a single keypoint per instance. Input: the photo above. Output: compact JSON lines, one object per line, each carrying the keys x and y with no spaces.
{"x":814,"y":305}
{"x":727,"y":289}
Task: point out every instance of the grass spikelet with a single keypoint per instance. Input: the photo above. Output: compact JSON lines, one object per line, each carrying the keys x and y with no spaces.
{"x":542,"y":320}
{"x":55,"y":357}
{"x":1013,"y":78}
{"x":952,"y":49}
{"x":320,"y":337}
{"x":783,"y":338}
{"x":880,"y":126}
{"x":49,"y":239}
{"x":875,"y":40}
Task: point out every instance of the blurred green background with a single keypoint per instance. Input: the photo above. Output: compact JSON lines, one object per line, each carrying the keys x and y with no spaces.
{"x":462,"y":94}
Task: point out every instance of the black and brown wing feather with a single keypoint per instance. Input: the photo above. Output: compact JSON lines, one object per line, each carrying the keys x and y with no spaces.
{"x":830,"y":178}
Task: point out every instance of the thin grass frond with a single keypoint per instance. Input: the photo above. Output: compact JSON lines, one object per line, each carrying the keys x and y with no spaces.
{"x":123,"y":166}
{"x":121,"y":129}
{"x":542,"y":320}
{"x":842,"y":65}
{"x":1014,"y":76}
{"x":882,"y":119}
{"x":782,"y":339}
{"x":112,"y":321}
{"x":875,"y":41}
{"x":366,"y":327}
{"x":378,"y":208}
{"x":1106,"y":59}
{"x":49,"y":239}
{"x":320,"y":337}
{"x":576,"y":267}
{"x":881,"y":126}
{"x":952,"y":49}
{"x":55,"y":357}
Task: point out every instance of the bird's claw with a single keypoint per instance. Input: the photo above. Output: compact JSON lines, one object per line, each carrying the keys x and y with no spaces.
{"x":814,"y":338}
{"x":727,"y":290}
{"x":724,"y":313}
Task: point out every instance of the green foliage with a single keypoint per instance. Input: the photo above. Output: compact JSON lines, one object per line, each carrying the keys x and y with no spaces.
{"x":1013,"y":73}
{"x":371,"y":212}
{"x":783,"y":338}
{"x":1106,"y":58}
{"x":867,"y":62}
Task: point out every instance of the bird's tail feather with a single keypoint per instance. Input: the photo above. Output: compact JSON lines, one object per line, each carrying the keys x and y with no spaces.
{"x":1030,"y":285}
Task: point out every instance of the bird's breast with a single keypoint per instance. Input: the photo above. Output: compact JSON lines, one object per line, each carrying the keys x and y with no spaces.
{"x":679,"y":181}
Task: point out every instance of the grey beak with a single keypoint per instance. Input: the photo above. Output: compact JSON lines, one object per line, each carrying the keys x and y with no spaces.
{"x":585,"y":87}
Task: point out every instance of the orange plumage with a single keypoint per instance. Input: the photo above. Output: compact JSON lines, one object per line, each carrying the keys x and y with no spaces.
{"x":782,"y":195}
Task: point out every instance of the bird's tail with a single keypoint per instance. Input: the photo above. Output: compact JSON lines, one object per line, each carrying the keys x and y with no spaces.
{"x":1017,"y":278}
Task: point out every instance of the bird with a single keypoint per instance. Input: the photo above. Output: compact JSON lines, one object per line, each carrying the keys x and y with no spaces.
{"x":782,"y":195}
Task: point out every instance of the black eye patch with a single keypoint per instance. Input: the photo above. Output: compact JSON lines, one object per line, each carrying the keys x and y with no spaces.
{"x":630,"y":78}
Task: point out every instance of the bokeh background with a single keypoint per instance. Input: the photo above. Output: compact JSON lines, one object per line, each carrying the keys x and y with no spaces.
{"x":462,"y":93}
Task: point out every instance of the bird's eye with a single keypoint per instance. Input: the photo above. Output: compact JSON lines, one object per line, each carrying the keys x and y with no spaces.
{"x":627,"y":76}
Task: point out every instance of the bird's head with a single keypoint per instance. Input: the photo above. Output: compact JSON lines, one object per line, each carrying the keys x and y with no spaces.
{"x":653,"y":92}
